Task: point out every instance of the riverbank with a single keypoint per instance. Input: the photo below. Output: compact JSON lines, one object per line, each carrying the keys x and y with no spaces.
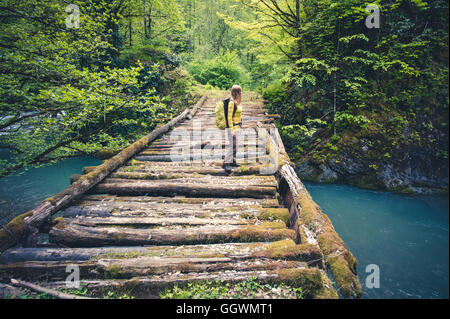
{"x":389,"y":177}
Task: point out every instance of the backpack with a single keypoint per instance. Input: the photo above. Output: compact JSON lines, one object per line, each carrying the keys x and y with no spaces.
{"x":222,"y":112}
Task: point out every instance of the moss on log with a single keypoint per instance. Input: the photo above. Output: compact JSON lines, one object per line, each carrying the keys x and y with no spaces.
{"x":338,"y":258}
{"x":73,"y":235}
{"x":273,"y":250}
{"x":106,"y":153}
{"x":187,"y":189}
{"x":13,"y":232}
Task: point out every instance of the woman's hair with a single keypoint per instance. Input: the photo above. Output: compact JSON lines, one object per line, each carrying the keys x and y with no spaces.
{"x":236,"y":91}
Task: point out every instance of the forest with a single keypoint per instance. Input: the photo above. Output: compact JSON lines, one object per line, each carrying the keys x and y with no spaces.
{"x":358,"y":105}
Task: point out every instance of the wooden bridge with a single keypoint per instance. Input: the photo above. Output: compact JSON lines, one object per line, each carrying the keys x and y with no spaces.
{"x":149,"y":218}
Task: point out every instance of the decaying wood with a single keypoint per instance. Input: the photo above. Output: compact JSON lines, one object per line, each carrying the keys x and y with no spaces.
{"x":73,"y":235}
{"x":50,"y":292}
{"x":205,"y":202}
{"x":187,"y":189}
{"x":206,"y":156}
{"x":213,"y":209}
{"x":128,"y":172}
{"x":285,"y":249}
{"x":152,"y":221}
{"x":204,"y":179}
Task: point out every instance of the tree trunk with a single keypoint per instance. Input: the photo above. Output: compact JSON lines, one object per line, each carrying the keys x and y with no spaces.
{"x":130,"y":30}
{"x":193,"y":189}
{"x":145,"y":19}
{"x":73,"y":235}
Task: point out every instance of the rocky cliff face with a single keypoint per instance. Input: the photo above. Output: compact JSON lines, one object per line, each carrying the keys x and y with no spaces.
{"x":405,"y":171}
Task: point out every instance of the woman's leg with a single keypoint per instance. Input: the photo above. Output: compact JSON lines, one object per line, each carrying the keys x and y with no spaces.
{"x":230,"y":147}
{"x":234,"y":147}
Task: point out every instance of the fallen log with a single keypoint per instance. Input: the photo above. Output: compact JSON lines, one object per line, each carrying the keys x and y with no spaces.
{"x":152,"y":221}
{"x":51,"y":292}
{"x":252,"y":180}
{"x":206,"y":156}
{"x":23,"y":226}
{"x":128,"y":262}
{"x":205,"y":202}
{"x":123,"y":268}
{"x":187,"y":189}
{"x":186,"y":211}
{"x":129,"y":172}
{"x":173,"y":170}
{"x":284,"y":249}
{"x":73,"y":235}
{"x":313,"y":226}
{"x":106,"y":153}
{"x":247,"y":180}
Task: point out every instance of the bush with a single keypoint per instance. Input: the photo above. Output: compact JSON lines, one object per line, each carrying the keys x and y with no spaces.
{"x":222,"y":71}
{"x":275,"y":93}
{"x":177,"y":88}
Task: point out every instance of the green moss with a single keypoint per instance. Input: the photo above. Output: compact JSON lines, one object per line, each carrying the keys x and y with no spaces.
{"x":259,"y":233}
{"x":107,"y":153}
{"x":308,"y":279}
{"x":275,"y":214}
{"x":276,"y":249}
{"x":327,"y":291}
{"x":246,"y":289}
{"x":14,"y":232}
{"x":273,"y":225}
{"x":268,"y":203}
{"x":52,"y":200}
{"x":341,"y":262}
{"x":59,"y":222}
{"x":348,"y":284}
{"x":288,"y":249}
{"x":112,"y":272}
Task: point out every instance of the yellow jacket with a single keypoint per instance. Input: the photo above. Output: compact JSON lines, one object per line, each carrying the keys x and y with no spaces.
{"x":234,"y":121}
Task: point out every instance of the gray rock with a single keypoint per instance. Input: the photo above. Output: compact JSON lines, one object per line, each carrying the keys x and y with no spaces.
{"x":327,"y":175}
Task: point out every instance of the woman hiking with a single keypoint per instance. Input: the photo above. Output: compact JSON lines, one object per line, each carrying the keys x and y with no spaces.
{"x":229,"y":117}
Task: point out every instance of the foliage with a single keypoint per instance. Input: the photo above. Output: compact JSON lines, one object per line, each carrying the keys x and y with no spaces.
{"x":62,"y":92}
{"x":249,"y":288}
{"x":387,"y":86}
{"x":222,"y":71}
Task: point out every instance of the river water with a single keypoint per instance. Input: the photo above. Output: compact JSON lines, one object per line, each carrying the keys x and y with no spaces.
{"x":19,"y":193}
{"x":405,"y":236}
